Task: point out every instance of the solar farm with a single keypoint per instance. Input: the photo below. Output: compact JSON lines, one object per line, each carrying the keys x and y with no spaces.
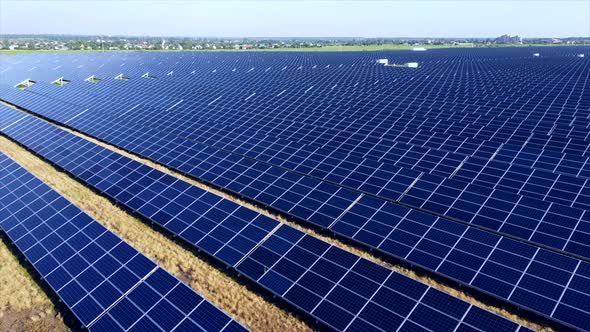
{"x":342,"y":191}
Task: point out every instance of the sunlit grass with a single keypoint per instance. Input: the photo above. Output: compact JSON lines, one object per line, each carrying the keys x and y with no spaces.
{"x":23,"y":304}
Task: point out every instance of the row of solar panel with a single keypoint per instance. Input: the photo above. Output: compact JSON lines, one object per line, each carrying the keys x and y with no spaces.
{"x":107,"y":284}
{"x":388,"y":183}
{"x":499,"y":266}
{"x":543,"y":185}
{"x":428,"y":139}
{"x":470,"y":59}
{"x":540,"y":222}
{"x":64,"y":68}
{"x":334,"y":286}
{"x":345,"y":85}
{"x":155,"y":65}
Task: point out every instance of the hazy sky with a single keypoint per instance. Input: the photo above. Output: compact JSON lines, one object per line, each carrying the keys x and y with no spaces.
{"x":421,"y":18}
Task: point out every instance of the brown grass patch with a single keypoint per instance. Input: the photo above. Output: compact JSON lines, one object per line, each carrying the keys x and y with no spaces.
{"x":23,"y":304}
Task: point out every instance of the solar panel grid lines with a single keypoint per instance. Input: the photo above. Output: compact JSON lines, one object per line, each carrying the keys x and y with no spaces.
{"x":445,"y":120}
{"x":318,"y":277}
{"x":583,"y":197}
{"x":224,"y":184}
{"x":470,"y":256}
{"x":92,"y":270}
{"x":548,"y":224}
{"x":114,"y":163}
{"x":9,"y":121}
{"x":253,"y":253}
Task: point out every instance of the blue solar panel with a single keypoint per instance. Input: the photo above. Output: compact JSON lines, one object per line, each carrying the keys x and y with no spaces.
{"x":338,"y":141}
{"x":108,"y":285}
{"x":351,"y":293}
{"x":273,"y":255}
{"x":550,"y":224}
{"x":404,"y":233}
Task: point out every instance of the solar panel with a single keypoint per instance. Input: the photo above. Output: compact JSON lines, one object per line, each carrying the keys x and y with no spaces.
{"x":106,"y":283}
{"x":550,"y":224}
{"x":350,"y":293}
{"x":385,"y":181}
{"x":519,"y":272}
{"x":254,"y":259}
{"x":338,"y":141}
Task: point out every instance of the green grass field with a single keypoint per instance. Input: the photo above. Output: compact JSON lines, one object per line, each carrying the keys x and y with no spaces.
{"x":330,"y":48}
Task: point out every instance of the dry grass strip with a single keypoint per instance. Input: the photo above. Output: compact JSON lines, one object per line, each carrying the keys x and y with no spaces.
{"x":23,"y":304}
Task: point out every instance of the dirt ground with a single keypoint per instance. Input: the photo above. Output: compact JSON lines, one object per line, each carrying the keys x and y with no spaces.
{"x":23,"y":304}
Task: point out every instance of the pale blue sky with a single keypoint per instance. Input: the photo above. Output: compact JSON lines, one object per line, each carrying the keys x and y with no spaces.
{"x":527,"y":18}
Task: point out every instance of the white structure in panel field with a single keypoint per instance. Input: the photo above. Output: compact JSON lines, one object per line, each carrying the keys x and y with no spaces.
{"x":386,"y":63}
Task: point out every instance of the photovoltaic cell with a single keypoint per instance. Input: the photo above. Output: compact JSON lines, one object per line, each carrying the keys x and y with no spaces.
{"x":299,"y":253}
{"x":106,"y":283}
{"x":318,"y":136}
{"x":468,"y":255}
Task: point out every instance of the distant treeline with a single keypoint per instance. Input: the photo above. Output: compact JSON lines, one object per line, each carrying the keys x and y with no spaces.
{"x":74,"y":42}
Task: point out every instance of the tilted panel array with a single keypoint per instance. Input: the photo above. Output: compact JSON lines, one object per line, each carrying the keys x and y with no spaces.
{"x":175,"y":112}
{"x":491,"y":142}
{"x":106,"y":283}
{"x":340,"y":289}
{"x":350,"y":293}
{"x":530,"y":292}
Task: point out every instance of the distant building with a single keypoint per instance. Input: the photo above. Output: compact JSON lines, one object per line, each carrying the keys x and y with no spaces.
{"x":507,"y":39}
